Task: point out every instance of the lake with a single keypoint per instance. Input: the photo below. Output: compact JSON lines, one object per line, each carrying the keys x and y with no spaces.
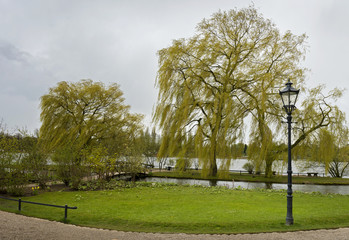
{"x":324,"y":189}
{"x":299,"y":166}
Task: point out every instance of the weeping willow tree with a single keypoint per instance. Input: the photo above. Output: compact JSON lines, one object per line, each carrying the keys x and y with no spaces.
{"x":199,"y":80}
{"x":316,"y":113}
{"x":83,"y":113}
{"x":322,"y":132}
{"x":261,"y":99}
{"x":231,"y":68}
{"x":210,"y":82}
{"x":79,"y":116}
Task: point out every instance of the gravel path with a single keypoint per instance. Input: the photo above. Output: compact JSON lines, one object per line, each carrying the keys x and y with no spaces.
{"x":14,"y":226}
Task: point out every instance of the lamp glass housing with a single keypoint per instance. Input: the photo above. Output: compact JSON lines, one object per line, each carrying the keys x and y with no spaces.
{"x":289,"y":97}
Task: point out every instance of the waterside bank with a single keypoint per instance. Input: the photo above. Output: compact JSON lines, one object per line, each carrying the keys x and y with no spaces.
{"x":245,"y":177}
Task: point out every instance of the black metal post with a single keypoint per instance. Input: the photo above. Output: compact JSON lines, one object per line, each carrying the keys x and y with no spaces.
{"x":65,"y":212}
{"x":19,"y":204}
{"x":289,"y":217}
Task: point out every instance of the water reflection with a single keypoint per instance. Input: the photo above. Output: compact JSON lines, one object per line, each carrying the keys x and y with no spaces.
{"x":339,"y":189}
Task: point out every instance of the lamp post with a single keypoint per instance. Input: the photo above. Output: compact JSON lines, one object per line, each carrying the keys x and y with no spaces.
{"x":289,"y":97}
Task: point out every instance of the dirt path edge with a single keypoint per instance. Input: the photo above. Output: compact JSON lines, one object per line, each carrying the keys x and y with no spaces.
{"x":15,"y":226}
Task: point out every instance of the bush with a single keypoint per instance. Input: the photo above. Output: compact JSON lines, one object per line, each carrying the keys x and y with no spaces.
{"x":69,"y":166}
{"x":36,"y":163}
{"x":102,"y":184}
{"x":248,"y":167}
{"x":14,"y":174}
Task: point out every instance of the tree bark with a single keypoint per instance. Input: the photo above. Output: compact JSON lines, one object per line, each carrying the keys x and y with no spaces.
{"x":213,"y":168}
{"x":213,"y":160}
{"x":269,"y":167}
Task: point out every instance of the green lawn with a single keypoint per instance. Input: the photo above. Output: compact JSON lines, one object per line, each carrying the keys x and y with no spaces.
{"x":193,"y":174}
{"x":196,"y":209}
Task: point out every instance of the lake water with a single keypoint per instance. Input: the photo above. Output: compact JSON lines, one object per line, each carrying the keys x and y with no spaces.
{"x":300,"y":166}
{"x":338,"y":189}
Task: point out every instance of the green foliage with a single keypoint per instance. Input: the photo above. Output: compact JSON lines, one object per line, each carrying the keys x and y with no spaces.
{"x":249,"y":166}
{"x":86,"y":124}
{"x":210,"y":82}
{"x":317,"y":111}
{"x":83,"y":113}
{"x":69,"y":164}
{"x":35,"y":190}
{"x":329,"y":146}
{"x":35,"y":160}
{"x":238,"y":150}
{"x":101,"y":184}
{"x":133,"y":166}
{"x":230,"y":70}
{"x":13,"y":171}
{"x":22,"y":161}
{"x":101,"y":163}
{"x":150,"y":146}
{"x":183,"y":164}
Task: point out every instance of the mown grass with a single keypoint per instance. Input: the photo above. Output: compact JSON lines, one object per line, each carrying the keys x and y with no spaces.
{"x":153,"y":207}
{"x":194,"y":174}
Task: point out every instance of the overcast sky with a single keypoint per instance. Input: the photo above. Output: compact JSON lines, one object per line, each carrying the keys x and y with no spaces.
{"x":43,"y":42}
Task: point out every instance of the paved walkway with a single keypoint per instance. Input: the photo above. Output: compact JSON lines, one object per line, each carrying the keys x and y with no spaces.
{"x":14,"y":226}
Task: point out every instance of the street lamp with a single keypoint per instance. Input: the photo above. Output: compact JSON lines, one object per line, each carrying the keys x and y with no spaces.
{"x":289,"y":97}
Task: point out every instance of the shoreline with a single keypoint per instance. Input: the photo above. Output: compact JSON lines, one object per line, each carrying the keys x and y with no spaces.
{"x":303,"y":180}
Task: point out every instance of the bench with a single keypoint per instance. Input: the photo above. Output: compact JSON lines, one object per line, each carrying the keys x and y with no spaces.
{"x":312,"y":173}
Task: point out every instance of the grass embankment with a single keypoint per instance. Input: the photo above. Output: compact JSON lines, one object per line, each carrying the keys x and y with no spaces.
{"x":195,"y":174}
{"x":151,"y":207}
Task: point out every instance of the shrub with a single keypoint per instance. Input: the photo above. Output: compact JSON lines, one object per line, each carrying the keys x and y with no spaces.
{"x":248,"y":167}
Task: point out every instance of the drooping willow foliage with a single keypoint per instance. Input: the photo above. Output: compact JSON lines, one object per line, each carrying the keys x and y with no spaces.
{"x":232,"y":68}
{"x":322,"y":132}
{"x":78,"y":118}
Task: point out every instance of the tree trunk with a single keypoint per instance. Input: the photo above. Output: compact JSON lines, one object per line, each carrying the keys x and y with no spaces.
{"x":269,"y":168}
{"x":213,"y":161}
{"x":213,"y":168}
{"x":213,"y":150}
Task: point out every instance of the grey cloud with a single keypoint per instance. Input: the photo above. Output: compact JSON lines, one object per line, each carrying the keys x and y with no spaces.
{"x":10,"y":52}
{"x":21,"y":73}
